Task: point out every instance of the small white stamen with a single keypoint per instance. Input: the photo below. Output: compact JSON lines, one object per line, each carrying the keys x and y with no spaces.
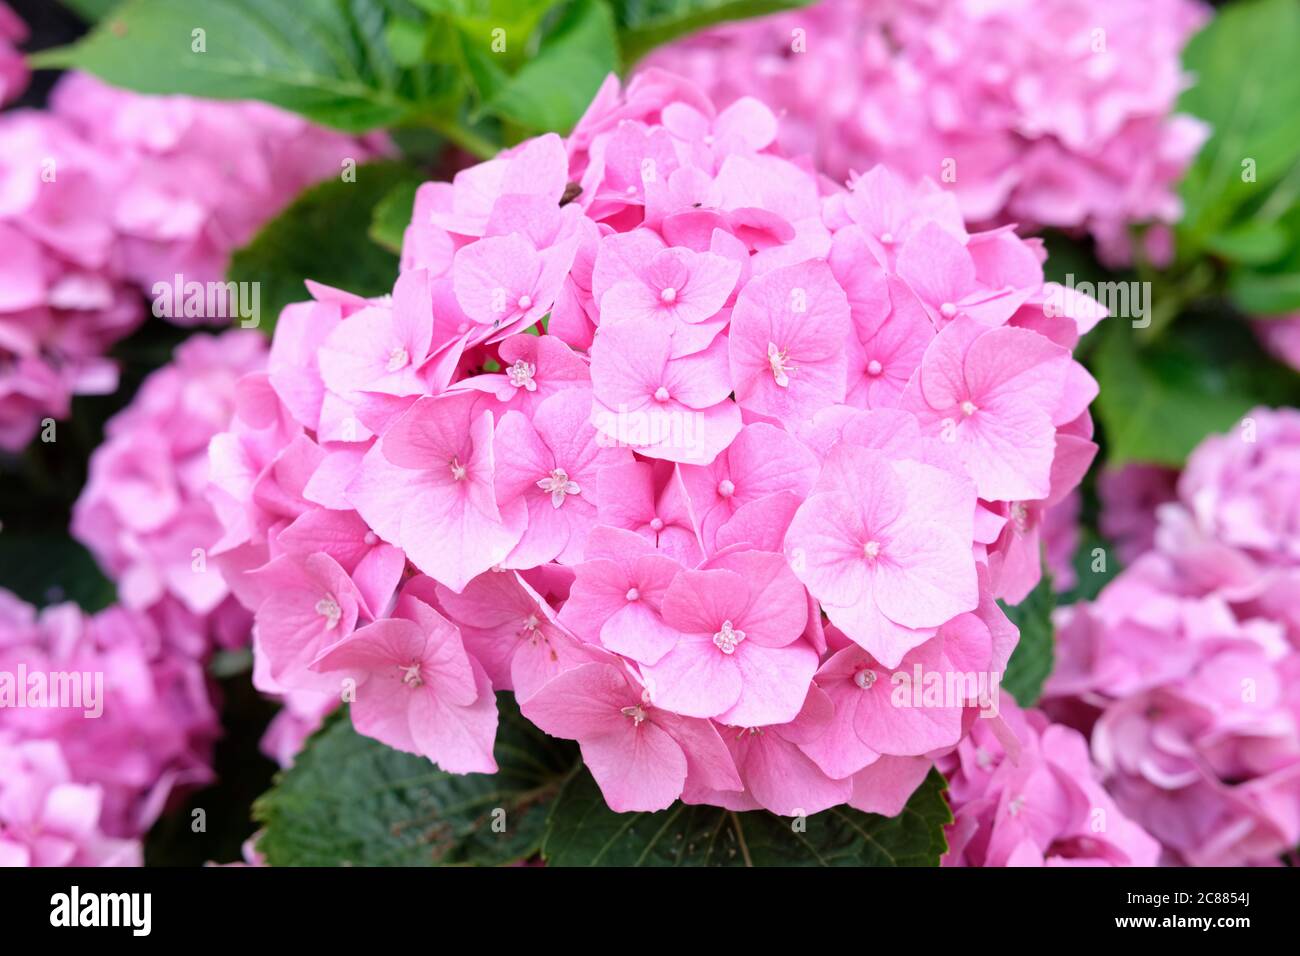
{"x":948,"y":310}
{"x":525,"y":302}
{"x":668,"y":295}
{"x":661,"y":394}
{"x":458,"y":471}
{"x":968,"y":408}
{"x":727,"y":638}
{"x":411,"y":675}
{"x":1019,"y":516}
{"x":521,"y":375}
{"x":397,"y":359}
{"x":874,"y":367}
{"x":656,"y":524}
{"x":777,"y":359}
{"x":329,"y":609}
{"x":636,"y":713}
{"x":633,"y":594}
{"x":371,"y":539}
{"x":558,"y":486}
{"x":631,"y":190}
{"x":886,"y":238}
{"x":871,"y":549}
{"x":725,"y":488}
{"x":865,"y":678}
{"x":1016,"y":805}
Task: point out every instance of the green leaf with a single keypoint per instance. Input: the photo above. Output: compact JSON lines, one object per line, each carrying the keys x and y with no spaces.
{"x":351,"y":801}
{"x":1252,"y":242}
{"x":583,"y":831}
{"x":1248,"y":90}
{"x":51,"y":568}
{"x":317,"y":238}
{"x":645,"y":24}
{"x":552,"y":90}
{"x":1031,"y":661}
{"x":1157,"y":403}
{"x":1265,"y":293}
{"x":327,"y":59}
{"x":392,"y":215}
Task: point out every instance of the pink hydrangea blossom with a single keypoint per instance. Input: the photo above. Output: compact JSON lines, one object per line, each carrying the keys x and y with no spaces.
{"x":13,"y":69}
{"x":199,"y":177}
{"x":138,"y":734}
{"x":48,"y":819}
{"x":647,"y":408}
{"x":144,"y":513}
{"x":63,"y":301}
{"x":1037,"y":802}
{"x":1041,"y":112}
{"x":1184,"y":670}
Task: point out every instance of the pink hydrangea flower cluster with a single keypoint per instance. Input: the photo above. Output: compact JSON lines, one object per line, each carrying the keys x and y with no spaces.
{"x":700,"y":455}
{"x":63,"y":300}
{"x":47,"y":819}
{"x":13,"y":69}
{"x":1040,"y":112}
{"x":108,"y":193}
{"x":1186,"y":669}
{"x":144,"y":513}
{"x":1025,"y":793}
{"x":105,"y":761}
{"x":198,"y":177}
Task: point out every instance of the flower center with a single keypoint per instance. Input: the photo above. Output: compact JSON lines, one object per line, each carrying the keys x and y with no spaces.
{"x":777,"y":359}
{"x":636,"y":713}
{"x":727,"y":638}
{"x":1016,"y":805}
{"x":1019,"y":516}
{"x":329,"y":609}
{"x":948,"y":310}
{"x":458,"y":471}
{"x":656,"y":524}
{"x":668,"y":295}
{"x":661,"y":394}
{"x":411,"y":675}
{"x":874,"y":368}
{"x":865,"y":678}
{"x":530,"y":628}
{"x":633,"y":594}
{"x":886,"y":238}
{"x":558,"y":486}
{"x":521,"y":375}
{"x":371,"y":539}
{"x":725,"y":488}
{"x":968,"y":408}
{"x":525,"y":302}
{"x":871,"y":550}
{"x":397,"y":359}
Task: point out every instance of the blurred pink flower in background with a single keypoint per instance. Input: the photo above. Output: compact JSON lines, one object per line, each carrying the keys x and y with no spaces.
{"x":143,"y":512}
{"x":198,"y":177}
{"x":152,"y":736}
{"x":1024,"y":793}
{"x":13,"y":71}
{"x":1186,"y":668}
{"x":47,"y":819}
{"x":1281,"y":336}
{"x":1039,"y":112}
